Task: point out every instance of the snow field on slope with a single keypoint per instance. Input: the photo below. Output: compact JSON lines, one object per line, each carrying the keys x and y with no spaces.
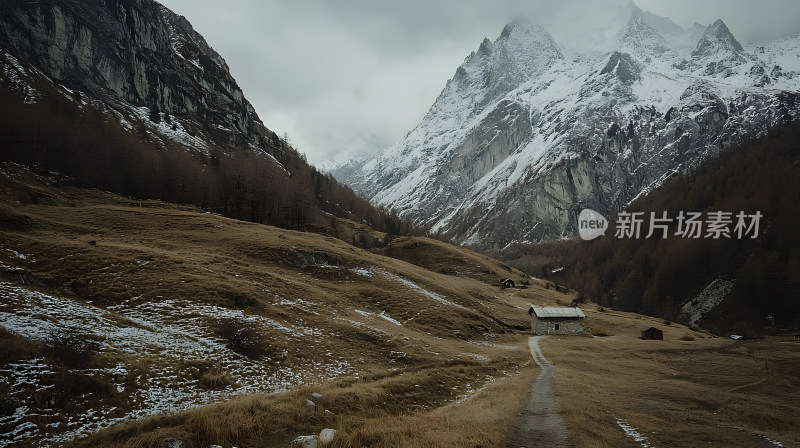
{"x":171,"y":331}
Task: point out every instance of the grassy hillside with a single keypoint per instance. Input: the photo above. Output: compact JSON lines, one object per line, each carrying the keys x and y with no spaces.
{"x":659,"y":276}
{"x":447,"y":259}
{"x":172,"y":307}
{"x":126,"y":323}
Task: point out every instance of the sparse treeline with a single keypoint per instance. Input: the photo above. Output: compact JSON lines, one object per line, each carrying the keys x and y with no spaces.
{"x":657,"y":276}
{"x":56,"y":134}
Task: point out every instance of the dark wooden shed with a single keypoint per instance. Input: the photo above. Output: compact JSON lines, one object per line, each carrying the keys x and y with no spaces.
{"x":652,"y":333}
{"x":507,"y":283}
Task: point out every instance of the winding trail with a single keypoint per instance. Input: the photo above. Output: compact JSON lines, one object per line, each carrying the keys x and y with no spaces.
{"x":538,"y":425}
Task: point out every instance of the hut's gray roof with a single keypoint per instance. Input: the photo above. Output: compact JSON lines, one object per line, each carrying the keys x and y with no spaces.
{"x":562,"y":312}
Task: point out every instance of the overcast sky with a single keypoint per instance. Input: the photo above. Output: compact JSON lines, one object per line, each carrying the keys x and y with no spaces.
{"x":344,"y":77}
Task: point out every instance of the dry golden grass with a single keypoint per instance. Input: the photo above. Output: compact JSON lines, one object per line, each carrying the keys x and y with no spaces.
{"x":216,"y":378}
{"x":676,"y":392}
{"x":459,"y":404}
{"x":13,"y":347}
{"x":95,"y":246}
{"x":447,"y":259}
{"x":482,"y":421}
{"x":706,"y":391}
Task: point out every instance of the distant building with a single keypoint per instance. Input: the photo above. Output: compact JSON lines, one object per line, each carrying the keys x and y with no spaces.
{"x":507,"y":283}
{"x":652,"y":333}
{"x":556,"y":320}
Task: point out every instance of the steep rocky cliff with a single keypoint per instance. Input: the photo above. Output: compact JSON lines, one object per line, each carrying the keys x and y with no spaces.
{"x":125,"y":96}
{"x":136,"y":58}
{"x":512,"y":152}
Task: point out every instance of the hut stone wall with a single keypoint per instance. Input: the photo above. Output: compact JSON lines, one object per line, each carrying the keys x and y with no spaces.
{"x":543,"y":326}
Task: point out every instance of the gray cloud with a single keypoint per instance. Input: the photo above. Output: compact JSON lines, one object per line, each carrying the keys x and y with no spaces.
{"x":350,"y":76}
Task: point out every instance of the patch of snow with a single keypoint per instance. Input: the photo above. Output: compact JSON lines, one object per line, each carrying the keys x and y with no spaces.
{"x":774,"y":443}
{"x":386,"y":317}
{"x":21,"y":256}
{"x":471,"y":392}
{"x":326,"y":166}
{"x":14,"y":72}
{"x":479,"y":357}
{"x":415,"y":287}
{"x":271,"y":157}
{"x":165,"y":330}
{"x":358,"y":324}
{"x":362,"y":271}
{"x":710,"y":297}
{"x":381,"y":315}
{"x":633,"y":433}
{"x":178,"y":135}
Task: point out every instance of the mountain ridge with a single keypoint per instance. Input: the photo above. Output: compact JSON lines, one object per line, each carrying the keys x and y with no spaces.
{"x":522,"y":167}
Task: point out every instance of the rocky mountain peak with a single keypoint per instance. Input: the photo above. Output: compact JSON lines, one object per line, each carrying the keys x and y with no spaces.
{"x":717,"y":39}
{"x":522,"y":50}
{"x":519,"y":24}
{"x":528,"y":44}
{"x":718,"y":53}
{"x":664,"y":26}
{"x":622,"y":66}
{"x":639,"y":37}
{"x":486,"y":47}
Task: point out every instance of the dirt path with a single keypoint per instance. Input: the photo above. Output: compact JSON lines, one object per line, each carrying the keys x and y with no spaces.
{"x":538,"y":425}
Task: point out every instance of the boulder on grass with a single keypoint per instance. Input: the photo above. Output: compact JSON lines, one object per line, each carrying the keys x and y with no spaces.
{"x":173,"y":443}
{"x":326,"y":436}
{"x":304,"y":442}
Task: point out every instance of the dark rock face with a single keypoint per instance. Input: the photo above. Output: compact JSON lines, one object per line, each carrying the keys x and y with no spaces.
{"x":623,"y":66}
{"x":131,"y":53}
{"x":716,"y":38}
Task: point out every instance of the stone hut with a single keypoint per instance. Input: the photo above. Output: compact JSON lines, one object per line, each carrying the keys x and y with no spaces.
{"x":556,"y":320}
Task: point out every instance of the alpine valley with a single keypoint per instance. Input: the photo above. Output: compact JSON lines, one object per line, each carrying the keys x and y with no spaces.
{"x":527,"y":133}
{"x":173,"y":274}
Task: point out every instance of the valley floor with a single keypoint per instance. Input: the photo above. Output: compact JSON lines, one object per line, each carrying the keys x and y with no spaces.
{"x":391,"y":354}
{"x":689,"y":390}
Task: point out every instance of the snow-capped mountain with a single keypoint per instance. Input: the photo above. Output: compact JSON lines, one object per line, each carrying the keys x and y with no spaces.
{"x":639,"y":38}
{"x":525,"y":135}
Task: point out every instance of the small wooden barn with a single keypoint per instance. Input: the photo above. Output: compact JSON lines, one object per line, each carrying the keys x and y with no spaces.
{"x":507,"y":283}
{"x":556,"y":320}
{"x":652,"y":333}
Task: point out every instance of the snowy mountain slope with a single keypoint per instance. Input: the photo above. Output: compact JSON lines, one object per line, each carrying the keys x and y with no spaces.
{"x":640,"y":39}
{"x":495,"y":162}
